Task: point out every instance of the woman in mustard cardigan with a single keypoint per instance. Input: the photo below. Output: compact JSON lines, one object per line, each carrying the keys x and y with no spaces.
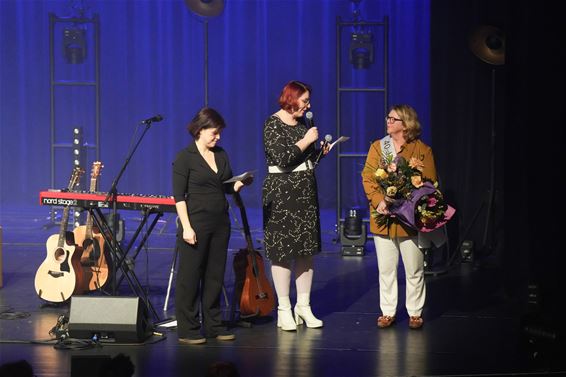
{"x":394,"y":238}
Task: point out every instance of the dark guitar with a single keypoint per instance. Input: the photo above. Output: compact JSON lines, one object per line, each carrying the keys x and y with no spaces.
{"x":255,"y":291}
{"x":60,"y":275}
{"x":95,"y":256}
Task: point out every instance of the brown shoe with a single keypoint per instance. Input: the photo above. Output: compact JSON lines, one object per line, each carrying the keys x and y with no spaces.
{"x":415,"y":322}
{"x":385,"y":321}
{"x":225,"y":336}
{"x":192,"y":340}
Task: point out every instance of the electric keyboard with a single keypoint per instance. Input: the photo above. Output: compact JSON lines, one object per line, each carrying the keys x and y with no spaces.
{"x":153,"y":203}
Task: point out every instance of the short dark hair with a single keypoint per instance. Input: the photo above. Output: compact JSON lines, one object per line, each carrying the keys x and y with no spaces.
{"x":292,"y":91}
{"x":207,"y":117}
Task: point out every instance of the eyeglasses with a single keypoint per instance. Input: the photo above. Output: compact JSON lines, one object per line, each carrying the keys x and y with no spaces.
{"x":392,"y":119}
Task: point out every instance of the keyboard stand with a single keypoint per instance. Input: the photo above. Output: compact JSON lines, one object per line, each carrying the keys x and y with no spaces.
{"x":119,"y":255}
{"x":146,"y":214}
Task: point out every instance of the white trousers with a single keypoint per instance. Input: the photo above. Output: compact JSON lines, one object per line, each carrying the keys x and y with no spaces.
{"x":388,"y":251}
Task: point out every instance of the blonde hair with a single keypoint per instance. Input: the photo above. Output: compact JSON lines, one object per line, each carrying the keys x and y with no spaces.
{"x":408,"y":115}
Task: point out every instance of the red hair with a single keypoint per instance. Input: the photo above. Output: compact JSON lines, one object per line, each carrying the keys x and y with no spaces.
{"x":292,"y":91}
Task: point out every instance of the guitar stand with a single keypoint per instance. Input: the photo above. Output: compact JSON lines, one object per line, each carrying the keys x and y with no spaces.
{"x":171,"y":273}
{"x":170,"y":283}
{"x":242,"y":321}
{"x":119,"y":255}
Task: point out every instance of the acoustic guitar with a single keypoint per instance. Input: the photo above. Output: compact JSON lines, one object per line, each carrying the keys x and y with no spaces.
{"x":60,"y":275}
{"x":95,"y":257}
{"x":253,"y":288}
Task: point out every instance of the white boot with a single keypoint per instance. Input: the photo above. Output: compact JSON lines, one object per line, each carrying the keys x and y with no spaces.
{"x":284,"y":315}
{"x":303,"y":312}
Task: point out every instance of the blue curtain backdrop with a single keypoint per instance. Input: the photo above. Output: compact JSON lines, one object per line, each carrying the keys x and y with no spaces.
{"x":151,"y":62}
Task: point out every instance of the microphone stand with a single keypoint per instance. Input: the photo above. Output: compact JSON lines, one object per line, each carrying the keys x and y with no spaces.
{"x":113,"y":193}
{"x":489,"y":201}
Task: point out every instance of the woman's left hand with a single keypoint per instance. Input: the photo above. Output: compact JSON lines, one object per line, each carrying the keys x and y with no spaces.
{"x":325,"y":148}
{"x":245,"y":182}
{"x":248,"y":180}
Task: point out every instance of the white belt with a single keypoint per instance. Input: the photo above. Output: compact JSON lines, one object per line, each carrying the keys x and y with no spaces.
{"x":307,"y":165}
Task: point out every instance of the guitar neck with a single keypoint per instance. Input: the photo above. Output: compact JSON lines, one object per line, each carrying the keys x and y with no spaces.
{"x":96,"y":167}
{"x":75,"y":176}
{"x":88,"y":231}
{"x":63,"y":228}
{"x":245,"y":223}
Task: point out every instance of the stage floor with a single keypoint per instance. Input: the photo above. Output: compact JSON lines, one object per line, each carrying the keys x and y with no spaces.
{"x":471,"y":326}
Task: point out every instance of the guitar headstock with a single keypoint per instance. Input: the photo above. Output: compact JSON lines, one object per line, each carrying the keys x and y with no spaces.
{"x":75,"y":177}
{"x":96,"y":168}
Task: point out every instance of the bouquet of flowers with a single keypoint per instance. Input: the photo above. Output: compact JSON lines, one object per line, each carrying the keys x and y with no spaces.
{"x":414,"y":200}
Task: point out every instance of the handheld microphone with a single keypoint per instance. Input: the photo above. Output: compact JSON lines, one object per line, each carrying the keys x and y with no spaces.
{"x":308,"y":119}
{"x":157,"y":118}
{"x":327,"y":140}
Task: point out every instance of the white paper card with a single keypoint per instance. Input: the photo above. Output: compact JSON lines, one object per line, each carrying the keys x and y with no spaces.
{"x":341,"y":139}
{"x":241,"y":177}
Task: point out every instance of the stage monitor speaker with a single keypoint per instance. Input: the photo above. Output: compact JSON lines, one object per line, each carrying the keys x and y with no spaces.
{"x":109,"y":318}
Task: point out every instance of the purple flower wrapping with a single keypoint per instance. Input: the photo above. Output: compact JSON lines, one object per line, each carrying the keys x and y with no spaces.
{"x":404,"y":209}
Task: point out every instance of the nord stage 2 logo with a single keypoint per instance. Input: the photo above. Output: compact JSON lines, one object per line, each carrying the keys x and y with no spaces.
{"x":59,"y":202}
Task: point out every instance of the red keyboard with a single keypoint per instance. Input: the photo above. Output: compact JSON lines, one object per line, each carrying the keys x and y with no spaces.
{"x":154,"y":203}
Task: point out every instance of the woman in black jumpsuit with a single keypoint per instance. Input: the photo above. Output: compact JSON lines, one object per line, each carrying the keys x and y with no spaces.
{"x":202,"y":238}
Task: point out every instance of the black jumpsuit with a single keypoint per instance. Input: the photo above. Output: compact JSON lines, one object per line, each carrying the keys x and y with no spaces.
{"x":203,"y":263}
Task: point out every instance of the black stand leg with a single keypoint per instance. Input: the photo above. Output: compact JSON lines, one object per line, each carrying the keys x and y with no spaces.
{"x":118,"y":255}
{"x":142,"y":242}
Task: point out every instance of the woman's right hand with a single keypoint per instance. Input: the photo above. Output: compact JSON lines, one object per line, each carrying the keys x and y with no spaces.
{"x":312,"y":135}
{"x":382,"y":208}
{"x":190,"y":236}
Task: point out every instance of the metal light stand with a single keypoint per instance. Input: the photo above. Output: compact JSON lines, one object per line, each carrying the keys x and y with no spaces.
{"x":489,"y":200}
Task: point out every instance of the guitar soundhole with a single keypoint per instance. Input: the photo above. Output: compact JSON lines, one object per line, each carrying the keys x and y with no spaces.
{"x":60,"y":255}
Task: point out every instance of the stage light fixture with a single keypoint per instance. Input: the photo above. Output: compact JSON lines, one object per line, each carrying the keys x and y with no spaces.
{"x":467,"y":251}
{"x":74,"y":45}
{"x":353,"y":234}
{"x":361,"y":49}
{"x":488,"y":44}
{"x":206,"y":8}
{"x":78,"y":151}
{"x":77,"y":146}
{"x":77,"y":220}
{"x":78,"y":217}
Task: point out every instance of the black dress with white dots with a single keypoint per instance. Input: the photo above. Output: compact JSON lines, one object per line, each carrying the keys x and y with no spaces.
{"x":291,"y":222}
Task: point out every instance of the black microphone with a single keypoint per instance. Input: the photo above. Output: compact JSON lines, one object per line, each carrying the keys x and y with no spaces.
{"x":327,"y":140}
{"x":157,"y":118}
{"x":308,"y":119}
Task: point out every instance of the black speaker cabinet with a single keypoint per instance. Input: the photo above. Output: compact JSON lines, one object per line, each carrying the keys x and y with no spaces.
{"x":109,"y":318}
